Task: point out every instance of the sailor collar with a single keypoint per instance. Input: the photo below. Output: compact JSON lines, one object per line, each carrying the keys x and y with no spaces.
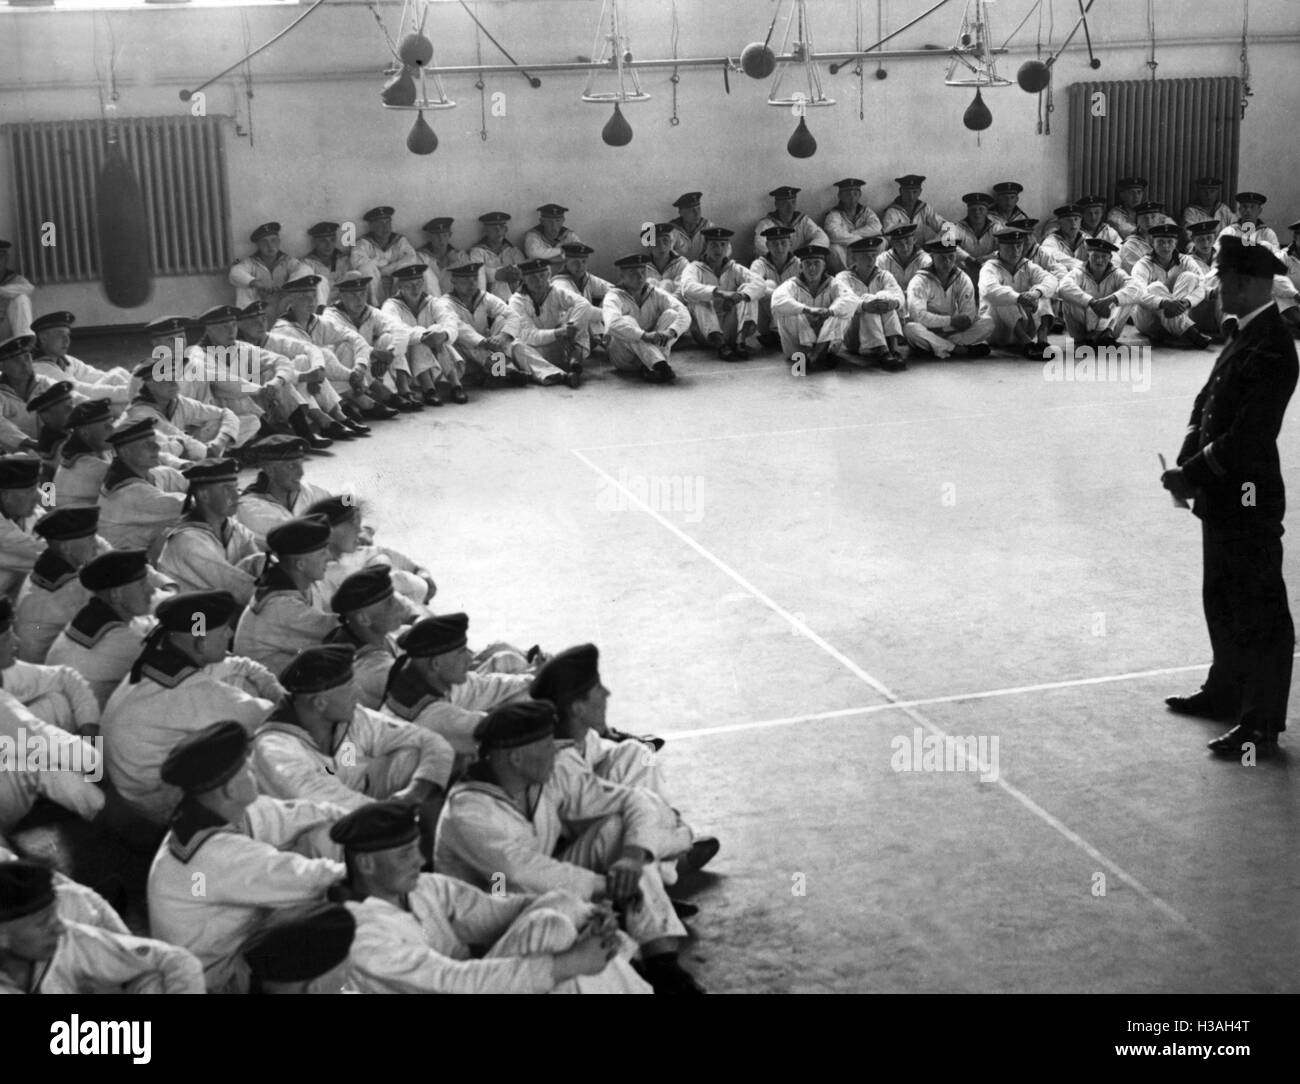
{"x":407,"y":695}
{"x":52,"y":571}
{"x":95,"y":620}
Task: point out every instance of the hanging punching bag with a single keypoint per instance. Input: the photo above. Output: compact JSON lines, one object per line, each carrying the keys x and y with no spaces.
{"x":123,"y":229}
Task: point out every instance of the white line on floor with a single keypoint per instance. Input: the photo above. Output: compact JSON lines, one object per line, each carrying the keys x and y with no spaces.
{"x":874,"y":424}
{"x":798,"y":625}
{"x":952,"y":698}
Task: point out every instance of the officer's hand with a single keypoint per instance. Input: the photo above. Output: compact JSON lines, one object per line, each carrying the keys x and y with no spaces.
{"x":653,"y":338}
{"x":1176,"y":482}
{"x":961,"y":322}
{"x":1030,"y":297}
{"x":1099,"y":306}
{"x":383,"y":356}
{"x":216,"y":449}
{"x":434,"y":339}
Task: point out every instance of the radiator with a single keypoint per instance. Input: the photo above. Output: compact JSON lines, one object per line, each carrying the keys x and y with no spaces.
{"x":1169,"y":131}
{"x":181,"y":164}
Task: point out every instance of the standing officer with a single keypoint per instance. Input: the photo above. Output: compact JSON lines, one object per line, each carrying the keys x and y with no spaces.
{"x":1229,"y":464}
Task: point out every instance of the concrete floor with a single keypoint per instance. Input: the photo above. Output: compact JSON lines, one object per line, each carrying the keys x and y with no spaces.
{"x":988,"y":549}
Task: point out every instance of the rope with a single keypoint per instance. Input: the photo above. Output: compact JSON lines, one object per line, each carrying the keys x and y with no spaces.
{"x":1246,"y":92}
{"x":1151,"y":25}
{"x":675,"y":120}
{"x":835,"y":68}
{"x":772,"y":25}
{"x":392,"y":45}
{"x":482,"y":87}
{"x":248,"y":72}
{"x":532,"y":81}
{"x":857,"y":44}
{"x":186,"y":95}
{"x":1050,"y":105}
{"x":1038,"y":4}
{"x":880,"y":29}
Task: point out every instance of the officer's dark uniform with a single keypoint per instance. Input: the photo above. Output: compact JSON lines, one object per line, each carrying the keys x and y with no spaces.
{"x":1230,"y":455}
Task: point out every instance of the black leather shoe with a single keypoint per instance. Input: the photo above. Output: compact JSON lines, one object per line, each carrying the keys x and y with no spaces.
{"x":358,"y":428}
{"x":685,"y":910}
{"x":338,"y":431}
{"x":457,"y":395}
{"x":1231,"y":743}
{"x":893,"y":363}
{"x":978,"y":350}
{"x":381,"y":413}
{"x":317,"y":444}
{"x":667,"y":976}
{"x":430,"y":398}
{"x":408,"y":404}
{"x":701,"y":853}
{"x":1197,"y":704}
{"x":574,"y":378}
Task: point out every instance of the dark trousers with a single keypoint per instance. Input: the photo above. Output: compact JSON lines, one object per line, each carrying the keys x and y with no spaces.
{"x":1250,"y":626}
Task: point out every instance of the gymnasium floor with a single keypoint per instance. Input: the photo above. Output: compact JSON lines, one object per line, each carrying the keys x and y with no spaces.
{"x":786,"y":574}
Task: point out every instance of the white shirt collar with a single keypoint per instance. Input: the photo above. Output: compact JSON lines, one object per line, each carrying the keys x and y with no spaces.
{"x":1242,"y":321}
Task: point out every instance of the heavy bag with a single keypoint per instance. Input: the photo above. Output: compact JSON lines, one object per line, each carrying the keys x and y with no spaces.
{"x":124,"y":266}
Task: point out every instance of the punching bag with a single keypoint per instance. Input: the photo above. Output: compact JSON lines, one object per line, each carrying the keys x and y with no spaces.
{"x":123,"y":229}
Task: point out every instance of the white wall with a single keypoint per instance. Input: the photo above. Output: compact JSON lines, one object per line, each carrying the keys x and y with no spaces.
{"x":323,"y":147}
